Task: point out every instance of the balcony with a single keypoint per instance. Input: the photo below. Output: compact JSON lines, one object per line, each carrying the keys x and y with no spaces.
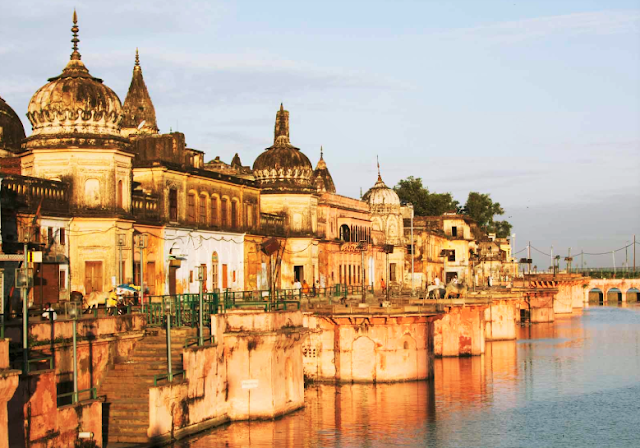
{"x":25,"y":194}
{"x":145,"y":208}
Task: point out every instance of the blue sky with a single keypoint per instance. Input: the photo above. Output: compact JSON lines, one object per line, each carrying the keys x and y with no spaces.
{"x":536,"y":103}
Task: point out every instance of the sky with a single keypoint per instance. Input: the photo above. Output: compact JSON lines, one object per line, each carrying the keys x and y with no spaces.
{"x":536,"y":103}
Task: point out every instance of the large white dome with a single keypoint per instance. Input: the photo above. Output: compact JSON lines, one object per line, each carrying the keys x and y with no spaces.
{"x":381,"y":198}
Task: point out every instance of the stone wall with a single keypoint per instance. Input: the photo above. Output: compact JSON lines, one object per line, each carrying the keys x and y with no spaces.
{"x":500,"y":320}
{"x":368,"y":348}
{"x":460,"y":332}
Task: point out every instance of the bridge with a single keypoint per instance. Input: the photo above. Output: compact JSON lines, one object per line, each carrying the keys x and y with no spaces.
{"x":623,"y":289}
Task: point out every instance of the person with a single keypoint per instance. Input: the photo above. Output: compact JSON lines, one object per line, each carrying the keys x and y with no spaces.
{"x":112,"y":301}
{"x":297,"y":287}
{"x":455,"y":280}
{"x":437,"y":281}
{"x":316,"y":288}
{"x":305,"y":288}
{"x":383,"y":286}
{"x":49,"y":312}
{"x":490,"y":280}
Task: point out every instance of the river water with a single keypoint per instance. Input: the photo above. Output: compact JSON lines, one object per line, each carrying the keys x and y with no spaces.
{"x":573,"y":383}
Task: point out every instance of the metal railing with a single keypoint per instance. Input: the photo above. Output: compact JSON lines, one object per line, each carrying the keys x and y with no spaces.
{"x":168,"y":376}
{"x":194,"y":340}
{"x":93,"y":394}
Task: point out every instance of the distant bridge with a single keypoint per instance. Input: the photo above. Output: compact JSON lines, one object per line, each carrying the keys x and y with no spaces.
{"x":622,"y":287}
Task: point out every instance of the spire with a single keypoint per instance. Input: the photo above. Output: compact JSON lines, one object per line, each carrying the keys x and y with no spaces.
{"x":139,"y":113}
{"x":281,"y":132}
{"x":75,"y":56}
{"x":322,"y":165}
{"x":321,"y":158}
{"x":136,"y":66}
{"x":379,"y":177}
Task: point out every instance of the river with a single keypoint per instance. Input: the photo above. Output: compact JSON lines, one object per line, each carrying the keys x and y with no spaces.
{"x":573,"y":383}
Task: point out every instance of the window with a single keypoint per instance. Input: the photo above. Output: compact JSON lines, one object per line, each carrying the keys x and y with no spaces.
{"x":454,"y":231}
{"x":345,"y":233}
{"x":452,"y":255}
{"x":392,"y":272}
{"x":223,"y":212}
{"x":214,"y":211}
{"x":203,"y":210}
{"x":62,"y":279}
{"x":249,"y":216}
{"x":62,"y":237}
{"x":214,"y":271}
{"x":191,"y":208}
{"x":173,"y":205}
{"x":120,"y":195}
{"x":234,"y":214}
{"x":49,"y":235}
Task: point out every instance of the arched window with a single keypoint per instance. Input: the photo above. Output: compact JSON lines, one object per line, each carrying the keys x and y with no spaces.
{"x":345,"y":233}
{"x":234,"y":214}
{"x":214,"y":210}
{"x":202,"y":218}
{"x":173,"y":205}
{"x":223,"y":212}
{"x":191,"y":207}
{"x":214,"y":271}
{"x":120,"y":195}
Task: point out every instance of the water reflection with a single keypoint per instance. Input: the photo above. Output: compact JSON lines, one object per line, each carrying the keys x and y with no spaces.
{"x":570,"y":383}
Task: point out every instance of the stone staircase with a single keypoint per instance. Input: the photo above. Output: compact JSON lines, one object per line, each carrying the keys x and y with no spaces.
{"x":126,"y":385}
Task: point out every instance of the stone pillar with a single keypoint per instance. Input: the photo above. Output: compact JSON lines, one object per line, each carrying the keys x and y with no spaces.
{"x":8,"y":385}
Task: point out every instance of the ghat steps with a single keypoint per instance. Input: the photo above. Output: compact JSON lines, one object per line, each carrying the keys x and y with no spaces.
{"x":126,"y":385}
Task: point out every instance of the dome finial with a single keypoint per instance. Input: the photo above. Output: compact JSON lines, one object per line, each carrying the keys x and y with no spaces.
{"x":378,"y":160}
{"x":281,"y":133}
{"x":136,"y":66}
{"x":321,"y":153}
{"x":75,"y":56}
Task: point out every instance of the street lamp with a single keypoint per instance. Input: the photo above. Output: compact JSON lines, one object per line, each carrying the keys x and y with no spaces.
{"x":142,"y":244}
{"x":122,"y":241}
{"x":74,"y":313}
{"x":167,"y":314}
{"x":201,"y":270}
{"x":24,"y":279}
{"x":413,"y":291}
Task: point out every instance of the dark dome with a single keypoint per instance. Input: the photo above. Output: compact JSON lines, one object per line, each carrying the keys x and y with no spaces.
{"x":74,"y":104}
{"x":283,"y":167}
{"x":11,"y":128}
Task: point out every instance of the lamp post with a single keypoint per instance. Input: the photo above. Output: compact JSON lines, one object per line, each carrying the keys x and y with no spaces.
{"x":23,"y":280}
{"x":121,"y":243}
{"x":142,"y":244}
{"x":413,"y":291}
{"x":74,"y":311}
{"x":363,"y":248}
{"x":167,"y":314}
{"x":513,"y":251}
{"x":201,"y":269}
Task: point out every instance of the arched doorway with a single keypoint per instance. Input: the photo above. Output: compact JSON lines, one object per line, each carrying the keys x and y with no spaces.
{"x":596,"y":295}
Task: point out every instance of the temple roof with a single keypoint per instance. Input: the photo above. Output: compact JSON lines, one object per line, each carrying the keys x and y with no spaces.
{"x":322,"y":179}
{"x":139,"y":113}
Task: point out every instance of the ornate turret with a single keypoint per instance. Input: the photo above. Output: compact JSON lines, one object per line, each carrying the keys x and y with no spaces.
{"x":11,"y":129}
{"x":381,"y":198}
{"x":322,"y":179}
{"x":74,"y":108}
{"x":283,"y":167}
{"x":139,"y":113}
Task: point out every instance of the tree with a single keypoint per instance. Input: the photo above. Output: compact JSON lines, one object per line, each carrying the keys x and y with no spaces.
{"x":424,"y":203}
{"x":482,"y":209}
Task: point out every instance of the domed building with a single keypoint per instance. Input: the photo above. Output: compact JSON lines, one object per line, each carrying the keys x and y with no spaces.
{"x":11,"y":129}
{"x":283,"y":167}
{"x":284,"y":175}
{"x":386,"y":217}
{"x":385,"y":211}
{"x":76,"y":121}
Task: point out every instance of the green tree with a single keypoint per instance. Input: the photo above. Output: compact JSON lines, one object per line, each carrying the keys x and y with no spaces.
{"x":482,"y":209}
{"x":424,"y":202}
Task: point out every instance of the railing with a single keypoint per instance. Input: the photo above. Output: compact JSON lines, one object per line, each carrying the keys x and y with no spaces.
{"x":145,"y":208}
{"x":93,"y":394}
{"x":168,"y":376}
{"x":184,"y":309}
{"x":195,"y":340}
{"x":28,"y":193}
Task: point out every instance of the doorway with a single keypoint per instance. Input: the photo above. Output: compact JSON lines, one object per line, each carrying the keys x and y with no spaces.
{"x":298,"y":273}
{"x":92,"y":276}
{"x":172,"y":280}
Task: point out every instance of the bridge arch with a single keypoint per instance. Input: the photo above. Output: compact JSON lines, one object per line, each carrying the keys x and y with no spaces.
{"x":596,"y":295}
{"x":632,"y":294}
{"x":614,"y":295}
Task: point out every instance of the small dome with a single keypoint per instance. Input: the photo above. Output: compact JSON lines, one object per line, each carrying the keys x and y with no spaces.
{"x":283,"y":167}
{"x":381,"y":198}
{"x":322,"y":180}
{"x":74,"y":103}
{"x":11,"y":129}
